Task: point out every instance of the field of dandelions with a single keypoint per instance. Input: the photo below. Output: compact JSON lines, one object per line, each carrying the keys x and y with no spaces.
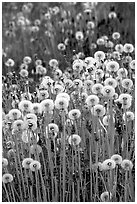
{"x":68,"y":103}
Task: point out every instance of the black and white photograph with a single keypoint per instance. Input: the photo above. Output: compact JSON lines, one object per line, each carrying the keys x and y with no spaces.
{"x":68,"y":101}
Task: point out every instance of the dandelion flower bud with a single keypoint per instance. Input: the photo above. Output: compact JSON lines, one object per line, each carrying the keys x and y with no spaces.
{"x":127,"y":83}
{"x":98,"y":110}
{"x":35,"y":165}
{"x":116,"y":158}
{"x":14,"y":114}
{"x":127,"y":164}
{"x":47,"y":105}
{"x":106,"y":196}
{"x":74,"y":114}
{"x":99,"y":55}
{"x":108,"y":164}
{"x":128,"y":48}
{"x":92,"y":100}
{"x":4,"y":162}
{"x":7,"y":178}
{"x":26,"y":163}
{"x":108,"y":91}
{"x":61,"y":103}
{"x":74,"y":139}
{"x":129,"y":116}
{"x":112,"y":66}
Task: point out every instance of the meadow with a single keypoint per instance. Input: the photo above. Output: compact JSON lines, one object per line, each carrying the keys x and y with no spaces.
{"x":68,"y":102}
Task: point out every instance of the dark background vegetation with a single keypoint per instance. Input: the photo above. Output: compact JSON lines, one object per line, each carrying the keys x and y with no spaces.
{"x":20,"y":46}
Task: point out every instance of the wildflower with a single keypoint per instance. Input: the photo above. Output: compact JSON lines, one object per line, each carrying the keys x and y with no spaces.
{"x":128,"y":48}
{"x":112,"y":66}
{"x":64,"y":95}
{"x":4,"y":162}
{"x":98,"y":110}
{"x":108,"y":164}
{"x":37,"y":22}
{"x":128,"y":59}
{"x":10,"y":63}
{"x":7,"y":178}
{"x":84,"y":96}
{"x":125,"y":98}
{"x":61,"y":46}
{"x":47,"y":82}
{"x":88,"y":84}
{"x":116,"y":35}
{"x":109,"y":44}
{"x":127,"y":165}
{"x":90,"y":60}
{"x":74,"y":114}
{"x":74,"y":139}
{"x":127,"y":83}
{"x":26,"y":136}
{"x":47,"y":105}
{"x":129,"y":116}
{"x":108,"y":91}
{"x":58,"y":89}
{"x":24,"y":73}
{"x":97,"y":88}
{"x":106,"y":196}
{"x":27,"y":60}
{"x":116,"y":158}
{"x":132,"y":64}
{"x":126,"y":105}
{"x":99,"y":55}
{"x":26,"y":163}
{"x":31,"y":116}
{"x":119,"y":48}
{"x":35,"y":165}
{"x":11,"y":153}
{"x":116,"y":55}
{"x":53,"y":63}
{"x":58,"y":73}
{"x":25,"y":105}
{"x":99,"y":74}
{"x":14,"y":114}
{"x":18,"y":125}
{"x":35,"y":149}
{"x":93,"y":46}
{"x":38,"y":62}
{"x":36,"y":108}
{"x":23,"y":66}
{"x":112,"y":15}
{"x":100,"y":41}
{"x":110,"y":82}
{"x":77,"y":83}
{"x":26,"y":96}
{"x":122,"y":72}
{"x":115,"y":96}
{"x":92,"y":100}
{"x":43,"y":94}
{"x":30,"y":124}
{"x":61,"y":103}
{"x":53,"y":128}
{"x":79,"y":35}
{"x":78,"y":65}
{"x":106,"y":120}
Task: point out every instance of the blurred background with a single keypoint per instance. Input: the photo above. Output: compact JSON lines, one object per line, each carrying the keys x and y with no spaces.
{"x":36,"y":29}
